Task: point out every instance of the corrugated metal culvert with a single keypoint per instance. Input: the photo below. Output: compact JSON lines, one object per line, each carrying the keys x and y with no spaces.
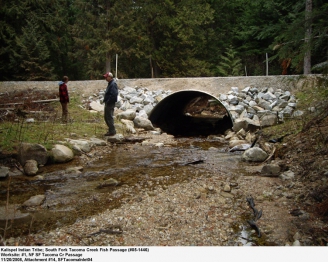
{"x":191,"y":113}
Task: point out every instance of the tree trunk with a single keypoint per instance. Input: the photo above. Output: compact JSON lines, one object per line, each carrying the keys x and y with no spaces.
{"x":108,"y":56}
{"x":108,"y":66}
{"x":308,"y":33}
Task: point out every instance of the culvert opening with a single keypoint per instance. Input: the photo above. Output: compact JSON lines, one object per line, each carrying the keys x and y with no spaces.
{"x":191,"y":113}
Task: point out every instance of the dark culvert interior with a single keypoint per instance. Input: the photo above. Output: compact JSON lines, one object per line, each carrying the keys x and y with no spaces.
{"x":191,"y":113}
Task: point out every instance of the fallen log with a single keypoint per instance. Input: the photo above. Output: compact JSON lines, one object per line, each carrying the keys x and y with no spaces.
{"x":36,"y":101}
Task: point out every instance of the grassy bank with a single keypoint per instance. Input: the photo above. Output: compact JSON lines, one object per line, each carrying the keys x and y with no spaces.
{"x":313,"y":101}
{"x":47,"y":127}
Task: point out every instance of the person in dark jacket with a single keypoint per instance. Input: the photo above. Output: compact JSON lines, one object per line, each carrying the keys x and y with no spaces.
{"x":64,"y":97}
{"x":110,"y":98}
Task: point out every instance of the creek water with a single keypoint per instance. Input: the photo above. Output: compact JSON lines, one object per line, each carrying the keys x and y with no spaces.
{"x":74,"y":196}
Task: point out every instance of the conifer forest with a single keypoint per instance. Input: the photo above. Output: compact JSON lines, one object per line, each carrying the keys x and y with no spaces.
{"x":46,"y":39}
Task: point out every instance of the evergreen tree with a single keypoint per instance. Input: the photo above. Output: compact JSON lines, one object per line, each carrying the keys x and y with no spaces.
{"x":34,"y":55}
{"x":291,"y":43}
{"x":230,"y":64}
{"x":103,"y":29}
{"x":259,"y":23}
{"x":11,"y":22}
{"x":171,"y":38}
{"x":178,"y":32}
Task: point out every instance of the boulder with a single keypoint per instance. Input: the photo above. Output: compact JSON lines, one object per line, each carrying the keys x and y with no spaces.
{"x":129,"y":114}
{"x":125,"y":106}
{"x":246,"y":124}
{"x":76,"y":150}
{"x":34,"y":201}
{"x":148,"y":100}
{"x":95,"y":105}
{"x":269,"y":120}
{"x":84,"y":145}
{"x":115,"y":139}
{"x":232,"y":99}
{"x":264,"y":104}
{"x":234,"y":143}
{"x":254,"y":154}
{"x":29,"y":151}
{"x":241,"y":147}
{"x":239,"y":124}
{"x":148,"y":108}
{"x":252,"y":124}
{"x":270,"y":170}
{"x":287,"y":175}
{"x":268,"y":96}
{"x":143,"y":114}
{"x":144,"y":123}
{"x":97,"y":141}
{"x":62,"y":154}
{"x":129,"y":125}
{"x":31,"y":167}
{"x":136,"y":100}
{"x":4,"y":171}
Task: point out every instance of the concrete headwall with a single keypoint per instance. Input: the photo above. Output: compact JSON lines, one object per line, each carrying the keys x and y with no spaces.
{"x":213,"y":85}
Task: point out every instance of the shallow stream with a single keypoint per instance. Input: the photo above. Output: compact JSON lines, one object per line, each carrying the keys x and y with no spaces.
{"x":136,"y":168}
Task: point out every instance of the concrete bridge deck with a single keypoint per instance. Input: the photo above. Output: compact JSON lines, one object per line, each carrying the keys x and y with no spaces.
{"x":212,"y":85}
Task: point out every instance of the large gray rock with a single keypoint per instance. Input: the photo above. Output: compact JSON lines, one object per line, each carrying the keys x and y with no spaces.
{"x":270,"y":170}
{"x":239,"y":124}
{"x":287,"y":112}
{"x":62,"y":154}
{"x":84,"y":145}
{"x":143,"y":114}
{"x":97,"y":141}
{"x":95,"y":105}
{"x":4,"y":171}
{"x":31,"y":167}
{"x":126,"y":105}
{"x":34,"y":201}
{"x":241,"y":147}
{"x":144,"y":123}
{"x":76,"y":150}
{"x":148,"y":100}
{"x":269,"y":120}
{"x":232,"y":99}
{"x":245,"y":123}
{"x":115,"y":139}
{"x":268,"y":96}
{"x":287,"y":175}
{"x":136,"y":100}
{"x":129,"y":125}
{"x":148,"y":108}
{"x":235,"y":142}
{"x":29,"y":151}
{"x":129,"y":114}
{"x":254,"y":154}
{"x":265,"y":104}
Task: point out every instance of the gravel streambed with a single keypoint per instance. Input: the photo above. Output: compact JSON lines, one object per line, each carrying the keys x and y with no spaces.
{"x":208,"y":209}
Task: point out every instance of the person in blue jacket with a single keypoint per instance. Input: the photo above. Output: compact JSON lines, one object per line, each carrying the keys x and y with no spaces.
{"x":110,"y":98}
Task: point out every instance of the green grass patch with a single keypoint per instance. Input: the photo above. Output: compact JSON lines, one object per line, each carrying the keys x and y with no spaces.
{"x":48,"y":131}
{"x":311,"y":100}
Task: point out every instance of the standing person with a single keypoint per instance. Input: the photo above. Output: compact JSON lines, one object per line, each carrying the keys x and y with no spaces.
{"x":110,"y":98}
{"x":64,"y":98}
